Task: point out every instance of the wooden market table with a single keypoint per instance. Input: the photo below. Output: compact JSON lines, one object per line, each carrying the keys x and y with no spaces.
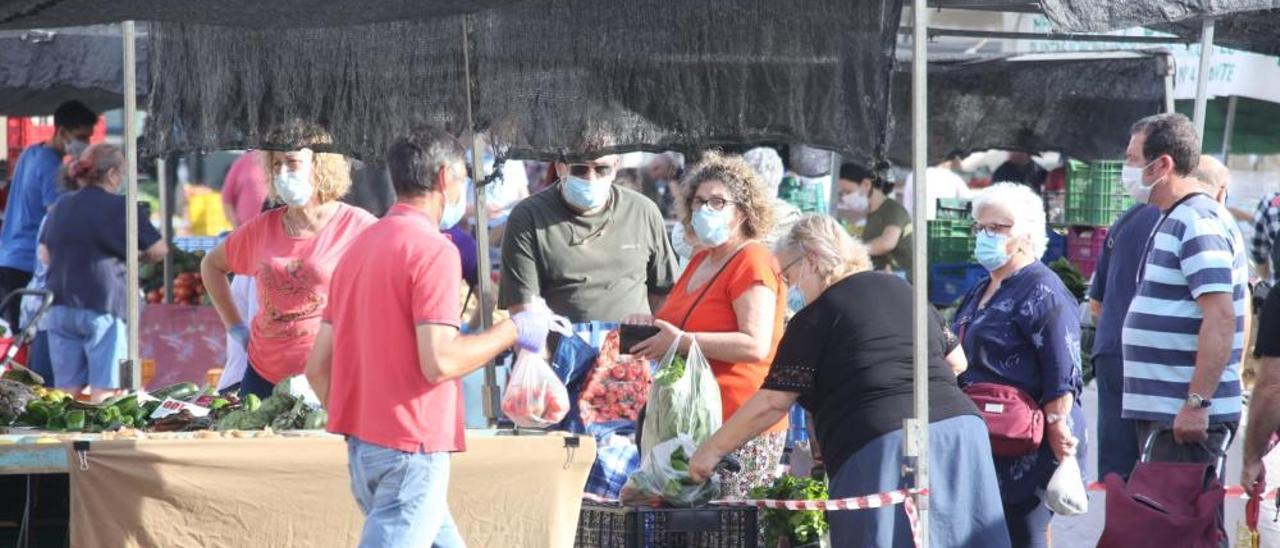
{"x":295,"y":490}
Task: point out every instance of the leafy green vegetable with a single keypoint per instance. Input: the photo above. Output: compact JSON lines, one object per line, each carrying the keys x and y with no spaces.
{"x":797,"y":527}
{"x":1070,"y":276}
{"x":671,"y":373}
{"x":665,"y":473}
{"x":685,"y":399}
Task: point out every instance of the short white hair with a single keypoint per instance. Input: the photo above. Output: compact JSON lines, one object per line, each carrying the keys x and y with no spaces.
{"x":1024,"y":206}
{"x":768,"y":165}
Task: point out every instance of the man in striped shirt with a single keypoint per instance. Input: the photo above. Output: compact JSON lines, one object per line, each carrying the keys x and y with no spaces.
{"x":1183,"y":336}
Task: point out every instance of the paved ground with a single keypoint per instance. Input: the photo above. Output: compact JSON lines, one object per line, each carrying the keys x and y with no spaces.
{"x":1083,"y":531}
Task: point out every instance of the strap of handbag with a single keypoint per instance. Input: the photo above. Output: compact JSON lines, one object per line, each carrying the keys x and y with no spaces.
{"x":707,"y":286}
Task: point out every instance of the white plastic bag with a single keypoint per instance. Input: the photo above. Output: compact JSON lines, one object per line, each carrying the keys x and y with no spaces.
{"x":535,"y":397}
{"x":665,"y":474}
{"x":1065,"y":494}
{"x":684,"y":399}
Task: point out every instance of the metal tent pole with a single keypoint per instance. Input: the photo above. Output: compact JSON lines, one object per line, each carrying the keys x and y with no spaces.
{"x":917,"y":429}
{"x":1202,"y":77}
{"x":1229,"y":127}
{"x":1170,"y":69}
{"x":833,"y":193}
{"x":131,"y":204}
{"x":166,"y":227}
{"x":490,"y":391}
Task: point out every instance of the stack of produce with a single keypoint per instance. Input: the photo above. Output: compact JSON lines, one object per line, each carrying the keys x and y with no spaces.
{"x":188,"y":287}
{"x":280,"y":411}
{"x":190,"y":409}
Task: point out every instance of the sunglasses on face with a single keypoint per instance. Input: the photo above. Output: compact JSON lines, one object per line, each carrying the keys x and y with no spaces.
{"x":583,"y":170}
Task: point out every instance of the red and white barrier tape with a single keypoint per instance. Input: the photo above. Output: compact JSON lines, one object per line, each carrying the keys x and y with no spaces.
{"x":853,"y":503}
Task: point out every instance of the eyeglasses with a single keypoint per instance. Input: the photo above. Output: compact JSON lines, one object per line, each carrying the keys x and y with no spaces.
{"x":717,"y":203}
{"x":582,"y":170}
{"x":993,"y":229}
{"x":787,"y":279}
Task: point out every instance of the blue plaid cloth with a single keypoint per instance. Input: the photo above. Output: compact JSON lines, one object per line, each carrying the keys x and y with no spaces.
{"x":1266,"y":229}
{"x":616,"y":459}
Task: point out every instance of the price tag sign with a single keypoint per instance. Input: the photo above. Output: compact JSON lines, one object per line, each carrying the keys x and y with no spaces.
{"x":171,"y":406}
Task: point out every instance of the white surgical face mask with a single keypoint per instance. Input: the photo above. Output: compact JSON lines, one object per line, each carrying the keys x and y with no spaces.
{"x":1131,"y":177}
{"x":854,"y":201}
{"x":295,"y":187}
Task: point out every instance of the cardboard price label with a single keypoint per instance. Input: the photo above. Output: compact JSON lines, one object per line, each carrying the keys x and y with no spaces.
{"x":171,"y":406}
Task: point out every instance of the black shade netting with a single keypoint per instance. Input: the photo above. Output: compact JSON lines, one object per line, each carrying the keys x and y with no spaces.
{"x":1256,"y":31}
{"x":549,"y":77}
{"x":221,"y":87}
{"x":27,"y":14}
{"x":40,"y":70}
{"x":1083,"y":108}
{"x":1107,"y":15}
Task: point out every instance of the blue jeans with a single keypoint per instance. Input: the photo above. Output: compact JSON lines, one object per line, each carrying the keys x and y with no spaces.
{"x":403,"y":497}
{"x":85,"y":347}
{"x":1117,"y":438}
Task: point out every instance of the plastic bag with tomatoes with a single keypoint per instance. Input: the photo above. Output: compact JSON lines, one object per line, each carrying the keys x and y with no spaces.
{"x":617,"y":388}
{"x":535,"y":397}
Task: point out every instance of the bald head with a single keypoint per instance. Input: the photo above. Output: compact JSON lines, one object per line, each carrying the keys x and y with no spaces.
{"x":1213,"y":177}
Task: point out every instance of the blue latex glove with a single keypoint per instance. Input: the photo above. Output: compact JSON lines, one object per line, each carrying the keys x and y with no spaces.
{"x":239,"y":333}
{"x":532,"y":327}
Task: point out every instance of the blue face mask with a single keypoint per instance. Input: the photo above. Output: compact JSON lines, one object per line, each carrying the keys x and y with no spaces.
{"x":453,"y":211}
{"x":294,"y":188}
{"x":990,"y":251}
{"x":711,"y":226}
{"x":795,"y":299}
{"x":586,"y":195}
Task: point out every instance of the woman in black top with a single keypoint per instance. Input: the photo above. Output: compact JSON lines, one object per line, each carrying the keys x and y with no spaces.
{"x":847,"y":358}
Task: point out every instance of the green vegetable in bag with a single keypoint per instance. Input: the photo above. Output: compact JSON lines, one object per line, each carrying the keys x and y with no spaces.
{"x":665,"y":474}
{"x":684,"y":399}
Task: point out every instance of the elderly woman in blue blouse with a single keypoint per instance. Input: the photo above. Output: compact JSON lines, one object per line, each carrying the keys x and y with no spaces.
{"x":1020,"y":327}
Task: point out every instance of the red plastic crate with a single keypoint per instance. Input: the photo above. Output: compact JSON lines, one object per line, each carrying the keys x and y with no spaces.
{"x":24,"y":132}
{"x":1084,"y":247}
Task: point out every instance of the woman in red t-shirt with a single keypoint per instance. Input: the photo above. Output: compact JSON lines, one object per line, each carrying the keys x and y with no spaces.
{"x":290,"y":251}
{"x":729,"y":299}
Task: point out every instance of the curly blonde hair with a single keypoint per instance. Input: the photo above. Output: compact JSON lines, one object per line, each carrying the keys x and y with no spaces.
{"x":330,"y":172}
{"x":834,"y":253}
{"x":745,"y":189}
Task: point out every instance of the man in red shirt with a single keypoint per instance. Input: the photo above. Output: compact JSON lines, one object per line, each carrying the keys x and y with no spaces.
{"x":389,"y":355}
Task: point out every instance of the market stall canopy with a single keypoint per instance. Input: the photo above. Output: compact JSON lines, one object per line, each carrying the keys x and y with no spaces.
{"x":27,"y":14}
{"x":1107,"y":15}
{"x":1255,"y":31}
{"x":1081,"y":105}
{"x":40,"y":70}
{"x":548,"y":77}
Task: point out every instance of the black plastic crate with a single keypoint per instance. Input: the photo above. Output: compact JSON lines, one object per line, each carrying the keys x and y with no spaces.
{"x":601,"y":526}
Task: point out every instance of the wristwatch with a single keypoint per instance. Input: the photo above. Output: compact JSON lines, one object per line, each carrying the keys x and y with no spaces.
{"x":1196,"y":401}
{"x":1053,"y":418}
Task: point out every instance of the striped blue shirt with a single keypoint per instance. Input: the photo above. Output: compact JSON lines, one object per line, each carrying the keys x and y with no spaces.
{"x":1196,"y":249}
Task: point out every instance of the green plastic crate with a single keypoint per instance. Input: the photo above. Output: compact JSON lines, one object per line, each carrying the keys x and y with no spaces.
{"x":951,"y":240}
{"x":1095,"y":194}
{"x":955,"y":208}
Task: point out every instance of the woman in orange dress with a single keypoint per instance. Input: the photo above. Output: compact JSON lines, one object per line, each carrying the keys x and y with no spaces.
{"x":729,"y":299}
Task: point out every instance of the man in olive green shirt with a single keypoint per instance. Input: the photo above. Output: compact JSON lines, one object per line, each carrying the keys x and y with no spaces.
{"x":593,"y":250}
